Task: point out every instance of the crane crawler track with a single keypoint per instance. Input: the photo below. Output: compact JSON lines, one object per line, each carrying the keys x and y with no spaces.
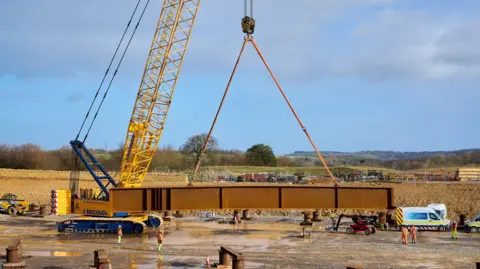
{"x":99,"y":225}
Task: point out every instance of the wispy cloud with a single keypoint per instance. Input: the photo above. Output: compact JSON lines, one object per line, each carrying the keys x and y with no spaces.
{"x":412,"y":45}
{"x":67,"y":38}
{"x":75,"y":97}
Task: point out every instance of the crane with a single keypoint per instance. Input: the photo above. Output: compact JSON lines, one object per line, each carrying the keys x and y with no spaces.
{"x":157,"y":86}
{"x":100,"y":213}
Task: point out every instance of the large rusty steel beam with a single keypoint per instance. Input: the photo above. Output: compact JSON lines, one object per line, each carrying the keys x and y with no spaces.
{"x":252,"y":197}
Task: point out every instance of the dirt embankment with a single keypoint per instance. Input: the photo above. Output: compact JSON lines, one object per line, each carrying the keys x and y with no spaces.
{"x":35,"y":185}
{"x":459,"y":197}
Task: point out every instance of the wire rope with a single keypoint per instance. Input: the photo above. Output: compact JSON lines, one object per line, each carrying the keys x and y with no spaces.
{"x":116,"y":70}
{"x":108,"y":69}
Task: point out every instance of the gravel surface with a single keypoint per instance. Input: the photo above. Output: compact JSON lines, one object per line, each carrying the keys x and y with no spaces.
{"x":271,"y":242}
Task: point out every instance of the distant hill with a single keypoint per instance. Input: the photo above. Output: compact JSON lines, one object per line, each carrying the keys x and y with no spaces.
{"x":382,"y":155}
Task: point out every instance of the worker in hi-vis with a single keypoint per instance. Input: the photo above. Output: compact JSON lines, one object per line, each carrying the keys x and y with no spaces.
{"x":159,"y":240}
{"x":235,"y":223}
{"x":454,"y":230}
{"x":413,"y":232}
{"x":404,"y":235}
{"x":119,"y":234}
{"x":383,"y":221}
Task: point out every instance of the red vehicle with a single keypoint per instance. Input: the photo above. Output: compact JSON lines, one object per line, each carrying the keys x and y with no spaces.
{"x":361,"y":226}
{"x":361,"y":223}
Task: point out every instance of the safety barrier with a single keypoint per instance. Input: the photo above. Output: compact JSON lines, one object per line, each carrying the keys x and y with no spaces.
{"x":60,"y":203}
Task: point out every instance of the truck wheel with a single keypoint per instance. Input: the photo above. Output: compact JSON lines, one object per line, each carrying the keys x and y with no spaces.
{"x":12,"y":211}
{"x":367,"y":231}
{"x":442,"y":228}
{"x":473,"y":229}
{"x":349,"y":230}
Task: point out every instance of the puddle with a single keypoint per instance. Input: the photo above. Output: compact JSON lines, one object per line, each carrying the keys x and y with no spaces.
{"x":139,"y":248}
{"x":163,"y":261}
{"x":429,"y":265}
{"x":46,"y":253}
{"x":286,"y":242}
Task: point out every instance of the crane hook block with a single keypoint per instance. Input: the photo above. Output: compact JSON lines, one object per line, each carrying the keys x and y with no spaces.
{"x":248,"y":25}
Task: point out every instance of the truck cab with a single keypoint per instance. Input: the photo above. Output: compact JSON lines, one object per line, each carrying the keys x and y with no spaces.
{"x":440,"y":209}
{"x":473,"y":225}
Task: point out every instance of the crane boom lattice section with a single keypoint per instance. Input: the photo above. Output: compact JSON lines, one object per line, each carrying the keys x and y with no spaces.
{"x":160,"y":77}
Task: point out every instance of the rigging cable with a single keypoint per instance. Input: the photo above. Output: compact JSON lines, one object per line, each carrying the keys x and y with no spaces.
{"x":116,"y":70}
{"x":108,"y":69}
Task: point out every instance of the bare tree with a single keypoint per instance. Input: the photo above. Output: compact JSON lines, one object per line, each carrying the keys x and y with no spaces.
{"x":193,"y":147}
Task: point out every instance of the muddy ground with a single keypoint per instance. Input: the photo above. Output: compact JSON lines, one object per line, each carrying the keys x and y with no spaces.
{"x":271,"y":242}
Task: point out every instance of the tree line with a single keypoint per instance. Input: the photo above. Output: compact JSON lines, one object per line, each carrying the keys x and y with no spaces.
{"x":31,"y":156}
{"x":168,"y":158}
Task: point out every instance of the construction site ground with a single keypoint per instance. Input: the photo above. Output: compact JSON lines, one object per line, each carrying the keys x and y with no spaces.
{"x":270,"y":242}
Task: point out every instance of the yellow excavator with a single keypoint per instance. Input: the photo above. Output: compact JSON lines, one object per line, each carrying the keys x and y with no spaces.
{"x":10,"y":204}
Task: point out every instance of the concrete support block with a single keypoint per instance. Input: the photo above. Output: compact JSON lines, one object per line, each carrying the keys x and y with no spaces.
{"x":178,"y":214}
{"x":101,"y":260}
{"x":238,"y":263}
{"x":167,"y":215}
{"x":246,"y":215}
{"x":316,"y":216}
{"x":224,"y":258}
{"x":14,"y":256}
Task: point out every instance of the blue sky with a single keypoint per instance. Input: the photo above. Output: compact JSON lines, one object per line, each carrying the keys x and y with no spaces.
{"x":363,"y":75}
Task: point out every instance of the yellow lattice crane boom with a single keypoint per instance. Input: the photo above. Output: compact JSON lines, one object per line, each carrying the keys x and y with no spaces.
{"x":156,"y":90}
{"x":164,"y":62}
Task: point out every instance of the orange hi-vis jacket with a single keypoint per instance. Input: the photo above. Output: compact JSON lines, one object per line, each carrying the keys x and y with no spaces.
{"x":404,"y":232}
{"x":413,"y":230}
{"x":160,"y":238}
